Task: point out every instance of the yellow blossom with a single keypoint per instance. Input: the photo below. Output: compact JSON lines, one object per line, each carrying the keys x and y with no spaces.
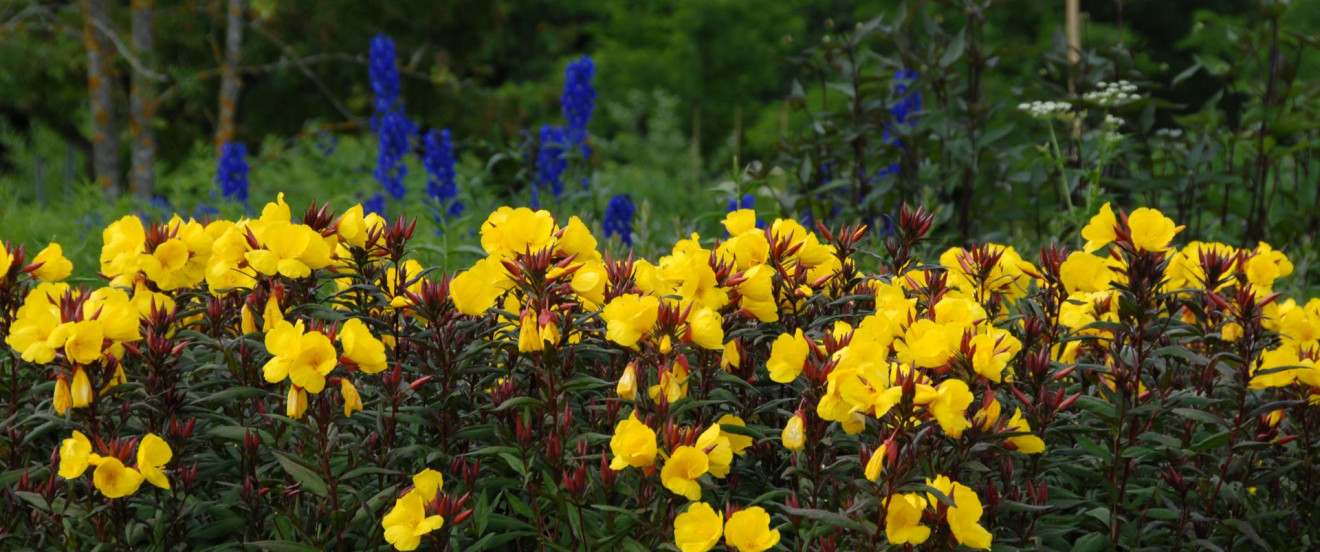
{"x":749,"y":531}
{"x":114,"y":480}
{"x":903,"y":520}
{"x":630,"y":317}
{"x":794,"y":435}
{"x":54,"y":267}
{"x":152,"y":455}
{"x":788,"y":356}
{"x":698,"y":529}
{"x":633,"y":444}
{"x":76,"y":455}
{"x":1100,"y":230}
{"x":407,"y":523}
{"x":682,"y":469}
{"x":352,"y":401}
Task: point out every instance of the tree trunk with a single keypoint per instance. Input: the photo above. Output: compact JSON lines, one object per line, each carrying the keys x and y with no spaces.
{"x":143,"y":101}
{"x":229,"y":82}
{"x":100,"y":85}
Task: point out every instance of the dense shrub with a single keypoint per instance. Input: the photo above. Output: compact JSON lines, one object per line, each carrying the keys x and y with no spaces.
{"x":297,"y":384}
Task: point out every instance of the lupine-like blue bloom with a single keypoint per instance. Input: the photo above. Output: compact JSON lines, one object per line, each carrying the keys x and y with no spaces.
{"x":748,"y":201}
{"x":393,"y":129}
{"x":619,"y":218}
{"x":395,"y":135}
{"x":440,"y":183}
{"x":374,"y":205}
{"x":903,"y":112}
{"x":550,"y":163}
{"x":384,"y":74}
{"x":578,"y":101}
{"x":231,"y":173}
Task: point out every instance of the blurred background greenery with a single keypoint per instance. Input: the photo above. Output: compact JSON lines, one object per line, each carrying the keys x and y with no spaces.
{"x":699,"y":102}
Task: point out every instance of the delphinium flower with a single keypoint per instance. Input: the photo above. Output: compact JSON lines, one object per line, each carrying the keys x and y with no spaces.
{"x":232,"y":172}
{"x":747,"y":201}
{"x":384,"y":74}
{"x":578,"y":101}
{"x":550,"y":163}
{"x":902,"y":113}
{"x":619,"y":218}
{"x":393,"y":129}
{"x":440,"y":184}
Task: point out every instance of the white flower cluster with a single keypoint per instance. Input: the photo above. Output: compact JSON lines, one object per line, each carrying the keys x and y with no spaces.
{"x":1112,"y":93}
{"x":1112,"y":121}
{"x":1046,"y":110}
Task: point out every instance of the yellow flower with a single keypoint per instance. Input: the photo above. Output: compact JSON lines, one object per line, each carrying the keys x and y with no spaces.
{"x":1151,"y":230}
{"x":749,"y":531}
{"x":81,"y":390}
{"x":63,"y":398}
{"x":707,"y":329}
{"x":508,"y":232}
{"x":84,"y":340}
{"x":271,"y":314}
{"x":927,"y":344}
{"x":948,"y":405}
{"x":673,"y":384}
{"x":992,"y":351}
{"x":36,"y":322}
{"x":407,"y":523}
{"x":114,"y":480}
{"x":731,"y":359}
{"x":698,"y":529}
{"x":352,"y":401}
{"x":75,"y":455}
{"x":1100,"y":230}
{"x":297,"y":403}
{"x":427,"y":483}
{"x":903,"y":520}
{"x":964,"y":518}
{"x":788,"y":356}
{"x":291,"y":250}
{"x":361,"y":347}
{"x":681,"y":471}
{"x":152,"y":454}
{"x":630,"y":317}
{"x":738,"y":443}
{"x":304,"y":358}
{"x":589,"y":284}
{"x":1027,"y":444}
{"x":718,"y":449}
{"x":475,"y":290}
{"x":114,"y":310}
{"x":576,"y":240}
{"x":633,"y":444}
{"x":529,"y":339}
{"x":794,"y":436}
{"x":627,"y":387}
{"x":876,"y":464}
{"x":6,"y":261}
{"x":1085,"y":272}
{"x":54,"y":268}
{"x":246,"y":322}
{"x":123,"y":241}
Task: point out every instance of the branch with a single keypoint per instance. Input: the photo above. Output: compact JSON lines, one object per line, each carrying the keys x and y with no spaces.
{"x":288,"y":51}
{"x":124,"y":51}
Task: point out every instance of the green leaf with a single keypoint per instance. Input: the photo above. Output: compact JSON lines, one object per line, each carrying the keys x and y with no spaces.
{"x":283,"y":546}
{"x":311,"y":482}
{"x":1093,"y":542}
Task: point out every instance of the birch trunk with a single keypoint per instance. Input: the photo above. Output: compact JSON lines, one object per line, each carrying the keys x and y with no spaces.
{"x":230,"y":86}
{"x":143,"y":101}
{"x":100,"y":86}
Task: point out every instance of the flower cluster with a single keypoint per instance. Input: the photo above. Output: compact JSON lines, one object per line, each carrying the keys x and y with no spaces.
{"x":1109,"y":94}
{"x":759,"y":389}
{"x":393,"y":129}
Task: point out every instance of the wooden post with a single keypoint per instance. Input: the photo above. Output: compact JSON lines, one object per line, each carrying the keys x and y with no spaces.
{"x":142,"y":103}
{"x":230,"y":85}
